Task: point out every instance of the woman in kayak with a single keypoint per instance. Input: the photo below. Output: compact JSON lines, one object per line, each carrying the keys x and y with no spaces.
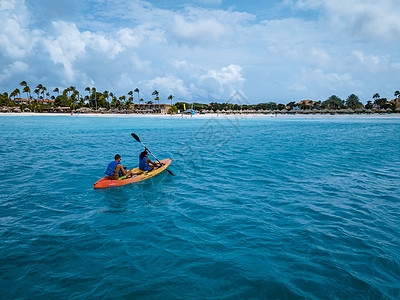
{"x":115,"y":169}
{"x":145,"y":164}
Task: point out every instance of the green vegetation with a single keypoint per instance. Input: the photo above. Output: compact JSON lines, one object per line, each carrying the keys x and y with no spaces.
{"x":40,"y":100}
{"x":173,"y":110}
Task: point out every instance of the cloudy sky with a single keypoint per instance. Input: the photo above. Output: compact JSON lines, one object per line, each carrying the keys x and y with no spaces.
{"x":204,"y":50}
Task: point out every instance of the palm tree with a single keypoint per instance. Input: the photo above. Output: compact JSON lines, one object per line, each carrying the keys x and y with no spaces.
{"x":113,"y":100}
{"x":122,"y":99}
{"x":87,"y":89}
{"x":44,"y":90}
{"x":130,"y":99}
{"x":56,"y":90}
{"x":15,"y":93}
{"x":156,"y":98}
{"x":376,"y":96}
{"x":94,"y":96}
{"x":12,"y":94}
{"x":106,"y":95}
{"x":397,"y":94}
{"x":27,"y":90}
{"x":65,"y":92}
{"x":37,"y":91}
{"x":71,"y":89}
{"x":137,"y":91}
{"x":170,"y":97}
{"x":75,"y":95}
{"x":38,"y":88}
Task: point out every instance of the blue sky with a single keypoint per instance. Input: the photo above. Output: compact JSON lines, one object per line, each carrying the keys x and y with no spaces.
{"x":204,"y":50}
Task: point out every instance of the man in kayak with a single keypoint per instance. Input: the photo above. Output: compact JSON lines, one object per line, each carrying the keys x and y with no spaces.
{"x":115,"y":169}
{"x":145,"y":164}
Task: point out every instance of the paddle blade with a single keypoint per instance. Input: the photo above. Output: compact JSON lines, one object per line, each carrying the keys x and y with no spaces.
{"x":170,"y":172}
{"x":135,"y":137}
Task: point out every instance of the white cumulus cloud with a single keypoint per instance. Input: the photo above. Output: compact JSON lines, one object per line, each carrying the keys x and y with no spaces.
{"x":361,"y":18}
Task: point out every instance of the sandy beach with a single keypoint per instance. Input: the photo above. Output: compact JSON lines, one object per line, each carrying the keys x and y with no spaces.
{"x":212,"y":116}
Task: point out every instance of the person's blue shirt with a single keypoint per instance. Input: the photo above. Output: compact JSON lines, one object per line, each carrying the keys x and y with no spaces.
{"x":143,"y":165}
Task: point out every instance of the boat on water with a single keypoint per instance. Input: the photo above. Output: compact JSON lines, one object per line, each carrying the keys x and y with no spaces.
{"x":105,"y":182}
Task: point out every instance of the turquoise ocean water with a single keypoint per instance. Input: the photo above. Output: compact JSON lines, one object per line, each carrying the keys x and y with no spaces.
{"x":259,"y":208}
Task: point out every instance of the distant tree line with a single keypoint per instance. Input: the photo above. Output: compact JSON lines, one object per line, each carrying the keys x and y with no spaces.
{"x":333,"y":102}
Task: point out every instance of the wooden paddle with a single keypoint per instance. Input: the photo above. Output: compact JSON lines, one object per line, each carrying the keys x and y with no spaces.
{"x":137,"y":139}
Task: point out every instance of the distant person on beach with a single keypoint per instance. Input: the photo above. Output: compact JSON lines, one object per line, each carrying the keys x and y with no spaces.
{"x":115,"y":169}
{"x":145,"y":164}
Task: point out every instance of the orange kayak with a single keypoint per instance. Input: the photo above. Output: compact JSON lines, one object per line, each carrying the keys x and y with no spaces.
{"x":105,"y":182}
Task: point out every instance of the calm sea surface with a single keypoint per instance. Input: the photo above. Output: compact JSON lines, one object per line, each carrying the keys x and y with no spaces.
{"x":259,"y":208}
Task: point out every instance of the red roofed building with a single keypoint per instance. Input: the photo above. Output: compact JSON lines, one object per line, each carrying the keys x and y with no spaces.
{"x":305,"y":102}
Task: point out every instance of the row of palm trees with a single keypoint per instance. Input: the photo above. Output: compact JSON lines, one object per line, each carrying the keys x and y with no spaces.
{"x":72,"y":97}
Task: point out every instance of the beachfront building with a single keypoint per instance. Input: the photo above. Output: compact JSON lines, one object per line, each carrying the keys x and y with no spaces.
{"x":27,"y":101}
{"x":151,"y":108}
{"x":305,"y":103}
{"x":396,"y":102}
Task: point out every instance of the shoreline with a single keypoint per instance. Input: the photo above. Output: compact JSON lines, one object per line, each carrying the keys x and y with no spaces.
{"x":215,"y":115}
